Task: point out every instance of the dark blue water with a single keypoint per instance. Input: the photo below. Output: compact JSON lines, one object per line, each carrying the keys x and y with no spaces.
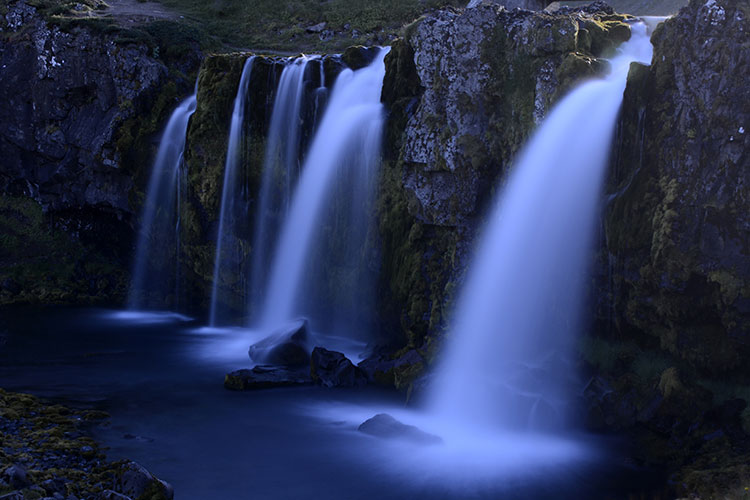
{"x":163,"y":385}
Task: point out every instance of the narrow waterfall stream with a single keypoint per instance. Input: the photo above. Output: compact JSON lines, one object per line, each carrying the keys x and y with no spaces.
{"x":225,"y":256}
{"x":159,"y":233}
{"x":505,"y":365}
{"x":349,"y":137}
{"x":280,"y":171}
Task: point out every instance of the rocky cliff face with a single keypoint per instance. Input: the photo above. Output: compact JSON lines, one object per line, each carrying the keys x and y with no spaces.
{"x":464,"y":90}
{"x":80,"y":110}
{"x":673,"y":331}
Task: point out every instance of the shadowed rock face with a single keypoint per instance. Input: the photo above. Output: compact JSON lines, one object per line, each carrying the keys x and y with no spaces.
{"x":77,"y":124}
{"x":678,"y":221}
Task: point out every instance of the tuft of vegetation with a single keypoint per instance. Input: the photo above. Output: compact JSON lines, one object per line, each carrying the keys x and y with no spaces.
{"x":282,"y":25}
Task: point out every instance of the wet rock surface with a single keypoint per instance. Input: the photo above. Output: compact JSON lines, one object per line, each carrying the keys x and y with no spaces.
{"x":46,"y":452}
{"x":287,"y":346}
{"x":267,"y":377}
{"x":385,"y":426}
{"x":333,"y":369}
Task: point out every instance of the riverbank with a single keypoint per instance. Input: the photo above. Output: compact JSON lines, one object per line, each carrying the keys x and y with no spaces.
{"x":47,"y":452}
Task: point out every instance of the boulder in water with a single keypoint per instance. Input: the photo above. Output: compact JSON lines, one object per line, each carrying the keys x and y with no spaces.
{"x":333,"y":369}
{"x":287,"y":346}
{"x":266,"y":377}
{"x":385,"y":426}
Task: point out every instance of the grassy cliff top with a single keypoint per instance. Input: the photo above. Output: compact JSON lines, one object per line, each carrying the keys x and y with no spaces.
{"x":640,"y":7}
{"x":297,"y":25}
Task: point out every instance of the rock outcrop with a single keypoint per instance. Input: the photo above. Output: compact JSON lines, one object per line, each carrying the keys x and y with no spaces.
{"x":463,"y":91}
{"x":673,"y":291}
{"x":333,"y":369}
{"x":81,"y":105}
{"x":289,"y":345}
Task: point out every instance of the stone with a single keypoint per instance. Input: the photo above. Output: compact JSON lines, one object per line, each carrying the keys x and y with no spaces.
{"x":135,"y":481}
{"x":316,"y":28}
{"x":112,"y":495}
{"x":359,"y":56}
{"x":52,"y":486}
{"x":333,"y":369}
{"x":385,"y":426}
{"x":15,"y":475}
{"x":512,"y":4}
{"x":266,"y":377}
{"x":13,"y":495}
{"x":287,"y":346}
{"x":378,"y":368}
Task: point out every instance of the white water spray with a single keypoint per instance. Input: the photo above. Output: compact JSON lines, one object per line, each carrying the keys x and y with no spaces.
{"x":504,"y":366}
{"x":349,"y":136}
{"x":280,"y":170}
{"x":159,"y":211}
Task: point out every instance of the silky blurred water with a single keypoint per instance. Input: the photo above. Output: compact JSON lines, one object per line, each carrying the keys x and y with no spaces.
{"x":160,"y":378}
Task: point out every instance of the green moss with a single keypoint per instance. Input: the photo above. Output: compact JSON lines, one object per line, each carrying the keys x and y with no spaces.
{"x":45,"y":263}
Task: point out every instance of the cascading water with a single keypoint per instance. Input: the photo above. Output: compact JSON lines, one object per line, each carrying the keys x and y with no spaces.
{"x":504,"y":366}
{"x":158,"y":239}
{"x":280,"y":169}
{"x":226,"y":253}
{"x":348,"y":137}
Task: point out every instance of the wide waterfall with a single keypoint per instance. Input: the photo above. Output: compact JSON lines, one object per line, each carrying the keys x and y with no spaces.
{"x":227,"y":261}
{"x":347,"y":140}
{"x":505,"y":365}
{"x":280,"y":169}
{"x":158,"y":239}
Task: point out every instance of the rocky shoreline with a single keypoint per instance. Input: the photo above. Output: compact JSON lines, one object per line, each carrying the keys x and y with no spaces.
{"x":46,"y":452}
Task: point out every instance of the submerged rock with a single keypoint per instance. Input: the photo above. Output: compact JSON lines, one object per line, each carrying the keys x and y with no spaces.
{"x":287,"y":346}
{"x":385,"y":426}
{"x":333,"y":369}
{"x":266,"y":377}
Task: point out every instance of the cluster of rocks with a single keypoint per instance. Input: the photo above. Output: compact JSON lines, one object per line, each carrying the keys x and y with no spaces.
{"x":45,"y":453}
{"x":287,"y":358}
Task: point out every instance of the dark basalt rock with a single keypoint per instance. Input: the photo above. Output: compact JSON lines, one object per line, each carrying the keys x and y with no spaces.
{"x":112,"y":495}
{"x":385,"y":426}
{"x":266,"y":377}
{"x":333,"y":369}
{"x":136,"y":482}
{"x":287,"y":346}
{"x":15,"y":476}
{"x":358,"y":56}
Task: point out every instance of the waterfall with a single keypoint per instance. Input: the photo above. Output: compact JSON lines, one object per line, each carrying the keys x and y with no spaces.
{"x":347,"y":139}
{"x":158,"y":239}
{"x":225,"y":250}
{"x":504,"y":364}
{"x":280,"y":169}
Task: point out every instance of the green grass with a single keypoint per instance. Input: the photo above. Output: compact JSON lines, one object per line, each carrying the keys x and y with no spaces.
{"x":280,"y":24}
